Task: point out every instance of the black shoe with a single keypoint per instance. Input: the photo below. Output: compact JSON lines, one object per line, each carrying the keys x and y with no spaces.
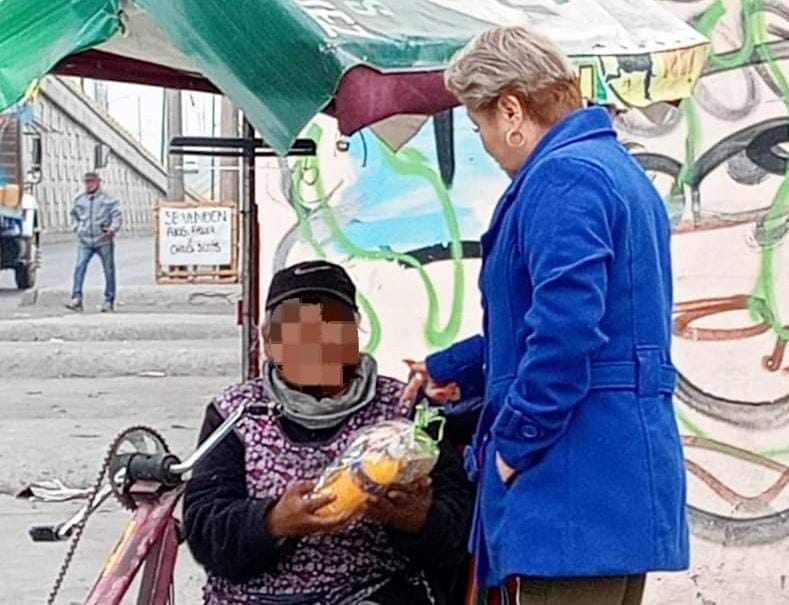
{"x":74,"y":305}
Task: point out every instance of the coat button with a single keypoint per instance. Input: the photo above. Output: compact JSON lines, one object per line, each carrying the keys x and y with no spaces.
{"x":530,"y":431}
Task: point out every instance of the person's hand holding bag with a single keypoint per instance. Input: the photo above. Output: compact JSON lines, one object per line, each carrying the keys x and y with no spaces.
{"x":421,"y":379}
{"x":294,"y":515}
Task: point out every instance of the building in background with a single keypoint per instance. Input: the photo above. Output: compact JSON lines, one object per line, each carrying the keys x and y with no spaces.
{"x":116,"y":129}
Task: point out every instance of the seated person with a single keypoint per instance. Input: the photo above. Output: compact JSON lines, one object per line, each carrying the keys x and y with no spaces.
{"x":249,"y":510}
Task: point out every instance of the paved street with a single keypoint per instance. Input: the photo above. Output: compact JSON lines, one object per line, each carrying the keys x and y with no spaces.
{"x":134,"y":259}
{"x":71,"y":382}
{"x":60,"y":429}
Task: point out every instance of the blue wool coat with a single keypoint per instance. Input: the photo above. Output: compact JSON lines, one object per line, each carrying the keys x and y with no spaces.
{"x":575,"y":368}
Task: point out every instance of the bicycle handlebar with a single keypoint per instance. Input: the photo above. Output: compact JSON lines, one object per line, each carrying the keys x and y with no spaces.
{"x":181,"y":468}
{"x":166,"y":469}
{"x":152,"y":467}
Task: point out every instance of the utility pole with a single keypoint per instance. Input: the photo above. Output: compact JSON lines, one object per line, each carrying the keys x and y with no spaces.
{"x":229,"y":173}
{"x":163,"y":141}
{"x":139,"y":119}
{"x":213,"y":160}
{"x":101,"y":94}
{"x":175,"y":163}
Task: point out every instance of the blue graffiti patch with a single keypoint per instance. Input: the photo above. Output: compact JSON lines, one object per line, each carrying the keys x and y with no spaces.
{"x":389,"y":204}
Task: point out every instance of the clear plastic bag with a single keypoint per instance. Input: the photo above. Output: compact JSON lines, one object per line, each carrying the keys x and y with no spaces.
{"x":391,"y":452}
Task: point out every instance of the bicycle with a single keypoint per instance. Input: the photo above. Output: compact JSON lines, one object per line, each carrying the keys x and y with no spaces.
{"x":149,"y":480}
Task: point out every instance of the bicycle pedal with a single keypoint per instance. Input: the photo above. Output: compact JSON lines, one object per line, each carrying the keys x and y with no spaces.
{"x":45,"y":533}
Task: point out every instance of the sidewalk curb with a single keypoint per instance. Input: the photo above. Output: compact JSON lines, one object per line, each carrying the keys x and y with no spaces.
{"x":206,"y":295}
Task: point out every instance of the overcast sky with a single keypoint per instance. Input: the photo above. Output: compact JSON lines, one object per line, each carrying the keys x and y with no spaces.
{"x":139,"y":109}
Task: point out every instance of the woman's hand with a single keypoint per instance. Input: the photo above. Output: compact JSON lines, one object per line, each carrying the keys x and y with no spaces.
{"x":421,"y":380}
{"x":293,"y":516}
{"x":506,"y":472}
{"x":403,"y":507}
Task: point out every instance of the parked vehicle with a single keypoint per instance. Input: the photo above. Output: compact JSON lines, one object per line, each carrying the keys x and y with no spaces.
{"x":20,"y":172}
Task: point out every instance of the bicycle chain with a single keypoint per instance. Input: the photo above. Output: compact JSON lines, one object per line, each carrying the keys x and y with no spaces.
{"x":80,"y":527}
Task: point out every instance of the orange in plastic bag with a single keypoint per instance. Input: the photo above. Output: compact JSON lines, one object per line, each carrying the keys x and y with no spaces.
{"x":350,"y":489}
{"x":396,"y":451}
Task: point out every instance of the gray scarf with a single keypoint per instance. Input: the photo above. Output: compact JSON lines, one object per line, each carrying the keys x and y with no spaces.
{"x":327,"y":412}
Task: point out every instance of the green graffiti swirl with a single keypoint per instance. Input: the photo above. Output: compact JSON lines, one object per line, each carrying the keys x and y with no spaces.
{"x":408,"y":163}
{"x":692,"y":146}
{"x":693,"y":429}
{"x":301,"y":167}
{"x":763,"y":303}
{"x":709,"y":20}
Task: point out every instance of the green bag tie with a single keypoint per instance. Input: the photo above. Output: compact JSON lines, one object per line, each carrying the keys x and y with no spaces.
{"x":423,"y":417}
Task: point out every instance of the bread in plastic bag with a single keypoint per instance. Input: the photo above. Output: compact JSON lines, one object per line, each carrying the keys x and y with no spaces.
{"x":393,"y":451}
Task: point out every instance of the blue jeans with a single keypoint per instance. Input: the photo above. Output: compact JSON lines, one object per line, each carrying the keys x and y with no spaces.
{"x":106,"y":253}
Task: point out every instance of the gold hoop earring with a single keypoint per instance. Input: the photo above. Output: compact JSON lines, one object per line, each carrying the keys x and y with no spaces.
{"x":511,"y":134}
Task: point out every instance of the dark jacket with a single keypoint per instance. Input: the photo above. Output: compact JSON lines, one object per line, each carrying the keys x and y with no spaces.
{"x":575,"y":365}
{"x":226,"y":530}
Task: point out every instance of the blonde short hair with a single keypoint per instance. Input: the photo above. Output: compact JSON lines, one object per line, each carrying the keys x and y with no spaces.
{"x":514,"y":60}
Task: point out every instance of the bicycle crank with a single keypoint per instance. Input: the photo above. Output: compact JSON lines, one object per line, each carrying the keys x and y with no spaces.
{"x":136,"y":439}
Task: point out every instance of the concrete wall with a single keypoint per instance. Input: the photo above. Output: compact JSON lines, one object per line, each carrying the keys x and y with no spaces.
{"x":71,"y":125}
{"x":389,"y":219}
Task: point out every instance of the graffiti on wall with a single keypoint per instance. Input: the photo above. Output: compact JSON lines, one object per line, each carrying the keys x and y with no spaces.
{"x":407,"y":224}
{"x":721,"y":162}
{"x":397,"y":208}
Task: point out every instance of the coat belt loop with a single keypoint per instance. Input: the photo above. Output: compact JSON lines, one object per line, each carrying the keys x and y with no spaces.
{"x":648,"y":370}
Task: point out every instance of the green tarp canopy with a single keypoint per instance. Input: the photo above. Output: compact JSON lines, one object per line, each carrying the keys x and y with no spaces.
{"x":283,"y":61}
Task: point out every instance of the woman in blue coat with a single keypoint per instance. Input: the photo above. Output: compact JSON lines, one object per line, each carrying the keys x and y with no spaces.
{"x":577,"y":451}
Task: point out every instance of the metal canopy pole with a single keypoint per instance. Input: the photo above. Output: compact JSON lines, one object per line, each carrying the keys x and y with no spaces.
{"x":250,"y":275}
{"x":247,"y":148}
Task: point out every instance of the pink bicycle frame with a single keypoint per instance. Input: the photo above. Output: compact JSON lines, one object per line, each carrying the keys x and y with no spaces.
{"x":152,"y":539}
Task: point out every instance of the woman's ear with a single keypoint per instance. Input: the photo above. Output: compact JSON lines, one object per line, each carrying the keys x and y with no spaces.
{"x":511,"y":108}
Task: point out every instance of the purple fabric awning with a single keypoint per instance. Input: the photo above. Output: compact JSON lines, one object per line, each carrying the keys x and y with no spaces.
{"x":367,"y":96}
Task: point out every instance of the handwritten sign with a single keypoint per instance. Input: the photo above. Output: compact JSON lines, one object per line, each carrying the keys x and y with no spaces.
{"x":197,"y":235}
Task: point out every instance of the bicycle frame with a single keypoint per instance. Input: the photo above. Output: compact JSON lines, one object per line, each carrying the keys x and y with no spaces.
{"x":151,"y":539}
{"x":152,"y":536}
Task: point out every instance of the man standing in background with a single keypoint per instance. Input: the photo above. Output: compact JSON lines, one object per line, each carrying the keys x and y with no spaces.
{"x":95,"y":217}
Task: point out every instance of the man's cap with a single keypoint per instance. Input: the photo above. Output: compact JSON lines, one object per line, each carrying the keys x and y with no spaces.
{"x":311,"y":278}
{"x":91,"y":176}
